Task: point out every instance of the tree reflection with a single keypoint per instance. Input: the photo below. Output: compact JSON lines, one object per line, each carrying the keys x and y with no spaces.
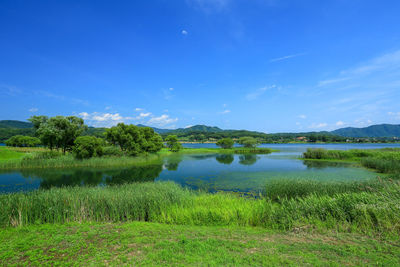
{"x":315,"y":164}
{"x":225,"y":158}
{"x":247,"y":159}
{"x":172,"y":163}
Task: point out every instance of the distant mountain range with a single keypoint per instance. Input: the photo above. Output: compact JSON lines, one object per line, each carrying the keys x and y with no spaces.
{"x":381,"y":130}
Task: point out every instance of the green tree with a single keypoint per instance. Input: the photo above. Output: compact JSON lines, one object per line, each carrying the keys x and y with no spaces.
{"x":173,"y":143}
{"x":248,"y":141}
{"x":225,"y":143}
{"x":134,"y":140}
{"x":23,"y":141}
{"x":88,"y":146}
{"x":37,"y":121}
{"x":60,"y":132}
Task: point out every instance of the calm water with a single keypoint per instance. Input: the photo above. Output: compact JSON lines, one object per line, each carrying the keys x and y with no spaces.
{"x":211,"y":172}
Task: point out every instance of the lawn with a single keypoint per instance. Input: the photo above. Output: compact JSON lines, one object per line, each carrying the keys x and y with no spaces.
{"x":10,"y":154}
{"x":143,"y":243}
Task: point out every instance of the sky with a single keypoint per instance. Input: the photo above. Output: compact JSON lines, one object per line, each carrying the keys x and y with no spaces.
{"x":263,"y":65}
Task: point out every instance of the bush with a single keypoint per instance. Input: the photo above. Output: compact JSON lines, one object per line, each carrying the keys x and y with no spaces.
{"x":112,"y":151}
{"x":173,"y":143}
{"x":87,"y":146}
{"x":225,"y":143}
{"x":23,"y":141}
{"x":249,"y":142}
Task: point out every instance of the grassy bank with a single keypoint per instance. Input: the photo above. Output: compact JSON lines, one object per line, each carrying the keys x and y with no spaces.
{"x":364,"y":211}
{"x":38,"y":158}
{"x":153,"y":244}
{"x":385,"y":160}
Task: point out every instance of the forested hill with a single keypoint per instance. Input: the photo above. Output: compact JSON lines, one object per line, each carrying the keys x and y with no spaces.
{"x":10,"y":128}
{"x":381,"y":130}
{"x":15,"y":124}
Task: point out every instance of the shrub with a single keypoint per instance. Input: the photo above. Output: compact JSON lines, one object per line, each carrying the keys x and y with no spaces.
{"x":87,"y":147}
{"x":112,"y":151}
{"x":23,"y":141}
{"x":225,"y":143}
{"x":249,"y":142}
{"x":173,"y":143}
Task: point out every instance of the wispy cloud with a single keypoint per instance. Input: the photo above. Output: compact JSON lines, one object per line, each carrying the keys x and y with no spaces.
{"x":9,"y":90}
{"x":72,"y":100}
{"x":287,"y":57}
{"x":33,"y":109}
{"x":259,"y":92}
{"x":209,"y":6}
{"x":184,"y":32}
{"x":340,"y":123}
{"x":394,"y":115}
{"x":226,"y":111}
{"x":302,"y":116}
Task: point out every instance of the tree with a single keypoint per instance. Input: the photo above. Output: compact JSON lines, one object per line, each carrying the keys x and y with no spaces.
{"x":247,"y":141}
{"x":173,"y":144}
{"x":60,"y":132}
{"x":88,"y":146}
{"x":134,"y":140}
{"x":23,"y":141}
{"x":37,"y":121}
{"x":225,"y":143}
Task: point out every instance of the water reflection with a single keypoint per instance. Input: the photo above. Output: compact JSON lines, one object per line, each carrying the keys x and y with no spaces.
{"x":313,"y":164}
{"x":92,"y":177}
{"x":172,"y":163}
{"x":248,"y":159}
{"x":225,"y":158}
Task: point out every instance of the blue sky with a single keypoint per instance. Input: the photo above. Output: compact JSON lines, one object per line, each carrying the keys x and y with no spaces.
{"x":265,"y":65}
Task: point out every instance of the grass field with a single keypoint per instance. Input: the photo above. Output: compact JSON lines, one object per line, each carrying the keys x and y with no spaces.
{"x":152,"y":244}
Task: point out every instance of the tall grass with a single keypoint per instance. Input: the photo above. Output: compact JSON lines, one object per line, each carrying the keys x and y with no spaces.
{"x":385,"y":160}
{"x":365,"y":211}
{"x":56,"y":160}
{"x":142,"y":202}
{"x":298,"y":188}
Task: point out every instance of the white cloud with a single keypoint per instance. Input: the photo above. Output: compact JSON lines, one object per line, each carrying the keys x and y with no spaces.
{"x":318,"y":125}
{"x":298,"y":123}
{"x":302,"y":116}
{"x":188,"y":126}
{"x":103,"y":119}
{"x":171,"y":89}
{"x":184,"y":32}
{"x":339,"y":123}
{"x":162,"y":121}
{"x":138,"y":109}
{"x":107,"y":108}
{"x":257,"y":93}
{"x":33,"y":109}
{"x":286,"y":57}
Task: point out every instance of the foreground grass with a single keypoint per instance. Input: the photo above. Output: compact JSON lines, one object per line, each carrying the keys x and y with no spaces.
{"x":139,"y":243}
{"x":375,"y":211}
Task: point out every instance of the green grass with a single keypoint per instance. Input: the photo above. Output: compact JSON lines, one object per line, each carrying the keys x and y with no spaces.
{"x":385,"y":160}
{"x":152,"y":244}
{"x":375,"y":211}
{"x":7,"y":154}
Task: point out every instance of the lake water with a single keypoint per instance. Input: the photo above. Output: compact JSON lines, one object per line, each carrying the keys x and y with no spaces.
{"x":210,"y":172}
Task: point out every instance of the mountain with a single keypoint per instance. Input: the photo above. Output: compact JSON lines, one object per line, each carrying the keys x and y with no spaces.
{"x":15,"y":124}
{"x":381,"y":130}
{"x":195,"y":128}
{"x":157,"y":130}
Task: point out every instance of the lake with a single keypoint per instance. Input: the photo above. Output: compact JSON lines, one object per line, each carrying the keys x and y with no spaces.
{"x":209,"y":172}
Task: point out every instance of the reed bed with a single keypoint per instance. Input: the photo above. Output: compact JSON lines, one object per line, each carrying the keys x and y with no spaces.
{"x":298,"y":188}
{"x":363,"y":211}
{"x":57,"y":160}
